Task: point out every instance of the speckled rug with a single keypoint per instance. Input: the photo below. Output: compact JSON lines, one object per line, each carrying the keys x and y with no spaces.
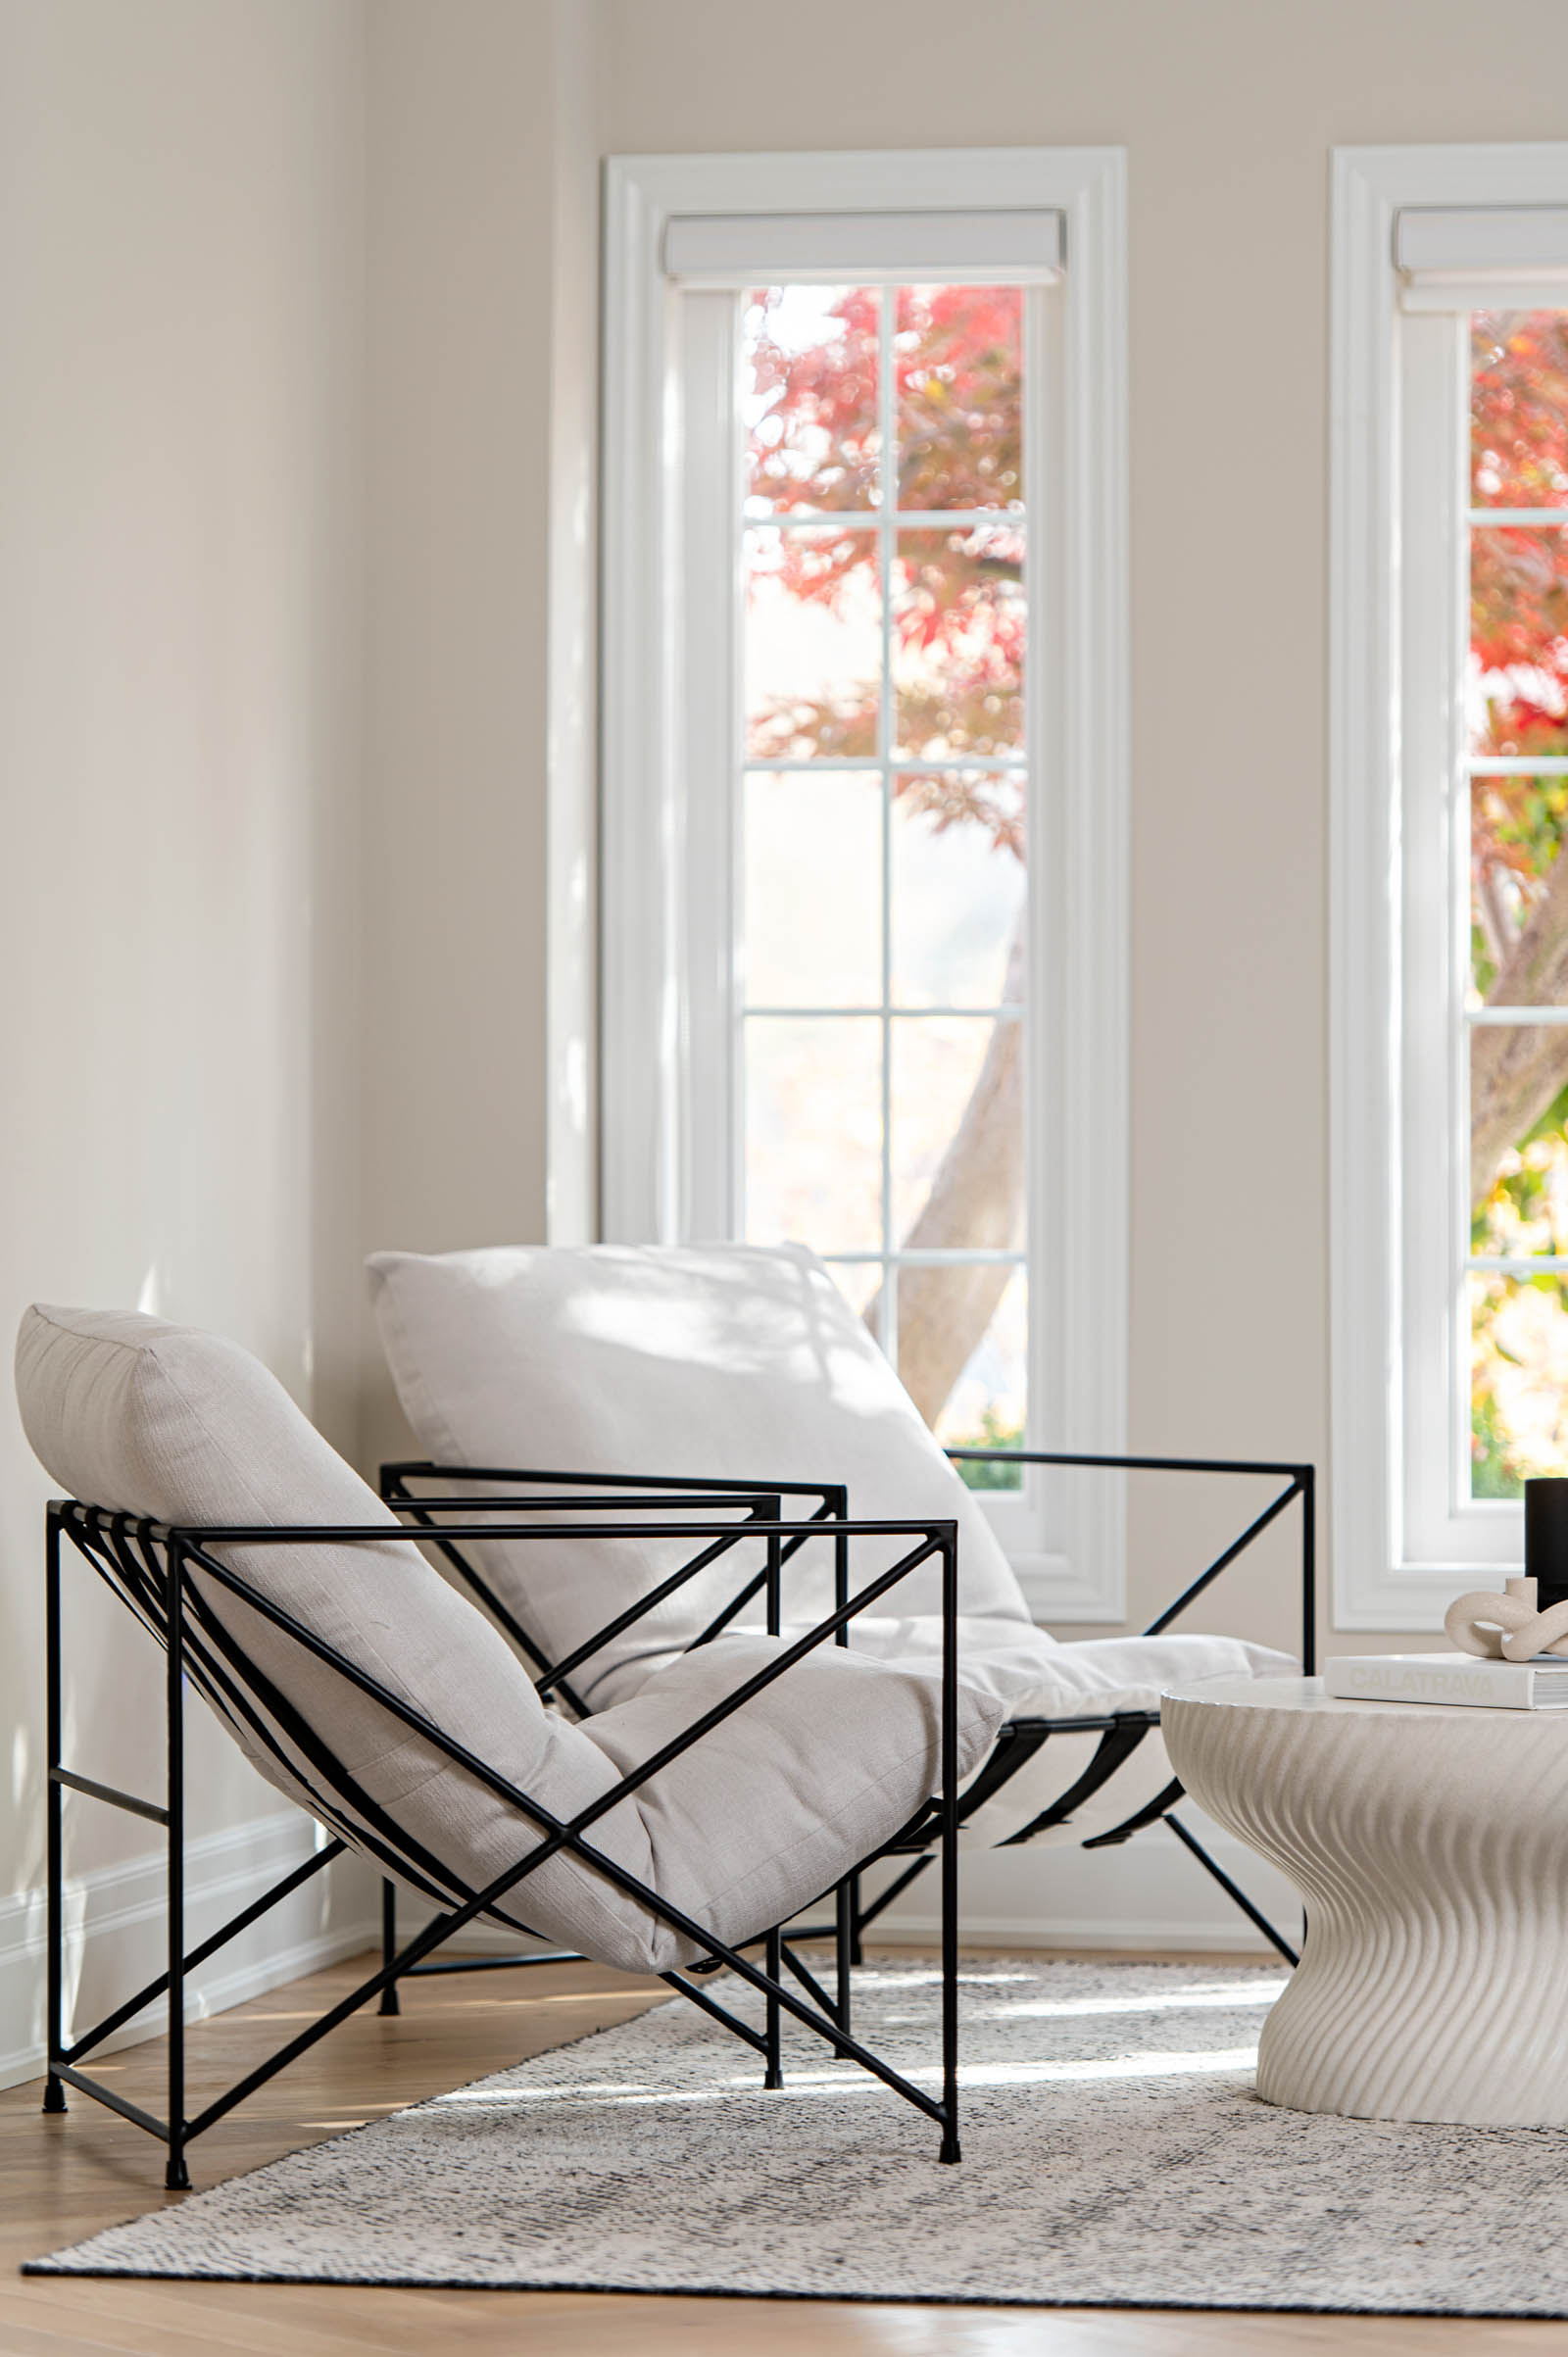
{"x":1113,"y":2156}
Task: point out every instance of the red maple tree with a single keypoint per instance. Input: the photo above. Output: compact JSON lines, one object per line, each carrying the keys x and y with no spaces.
{"x":957,"y":618}
{"x":957,"y":604}
{"x":957,"y":623}
{"x":1519,"y":706}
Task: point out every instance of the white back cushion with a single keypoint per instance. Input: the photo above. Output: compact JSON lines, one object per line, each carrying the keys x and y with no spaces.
{"x":161,"y":1420}
{"x":732,"y":1362}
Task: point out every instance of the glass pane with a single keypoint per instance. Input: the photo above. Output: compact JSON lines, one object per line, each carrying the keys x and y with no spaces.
{"x":958,"y":1132}
{"x":809,"y":398}
{"x":813,"y":1131}
{"x":957,"y":889}
{"x":813,"y":643}
{"x":1518,"y":1381}
{"x":957,"y":642}
{"x":958,"y":357}
{"x":1517,"y":690}
{"x":1519,"y":409}
{"x":1516,"y":832}
{"x":814,"y":888}
{"x":1518,"y":1139}
{"x":985,"y":1406}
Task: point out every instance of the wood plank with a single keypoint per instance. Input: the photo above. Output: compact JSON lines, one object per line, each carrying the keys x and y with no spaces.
{"x":62,"y":2178}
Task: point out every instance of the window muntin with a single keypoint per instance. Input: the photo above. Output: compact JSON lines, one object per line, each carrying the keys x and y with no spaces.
{"x":882,"y":793}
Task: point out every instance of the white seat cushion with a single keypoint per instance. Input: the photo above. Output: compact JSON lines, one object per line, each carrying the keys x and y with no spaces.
{"x":1030,"y":1676}
{"x":1095,"y":1678}
{"x":732,"y":1362}
{"x":762,"y":1817}
{"x":1027,"y":1674}
{"x":153,"y":1419}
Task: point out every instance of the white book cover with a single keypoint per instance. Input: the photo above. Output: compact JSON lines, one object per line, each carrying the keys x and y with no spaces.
{"x":1447,"y":1678}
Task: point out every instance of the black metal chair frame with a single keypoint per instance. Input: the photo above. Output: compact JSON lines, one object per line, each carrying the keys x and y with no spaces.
{"x":1019,"y":1740}
{"x":149,"y":1566}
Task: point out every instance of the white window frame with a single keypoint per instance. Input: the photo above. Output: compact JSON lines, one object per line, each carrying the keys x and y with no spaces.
{"x":1406,"y":1535}
{"x":666,"y":977}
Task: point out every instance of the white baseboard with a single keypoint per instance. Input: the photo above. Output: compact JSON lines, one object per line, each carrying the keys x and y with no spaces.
{"x":114,"y":1939}
{"x":1148,"y":1893}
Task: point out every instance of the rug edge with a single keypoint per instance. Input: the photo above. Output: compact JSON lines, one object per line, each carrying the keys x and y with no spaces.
{"x":47,"y":2268}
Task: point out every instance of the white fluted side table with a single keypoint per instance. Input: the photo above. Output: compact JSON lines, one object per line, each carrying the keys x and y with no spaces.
{"x":1430,"y":1845}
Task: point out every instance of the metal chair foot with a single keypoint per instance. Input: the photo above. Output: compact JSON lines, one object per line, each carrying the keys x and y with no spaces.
{"x":389,"y":1944}
{"x":950,"y":2149}
{"x":54,"y":2095}
{"x":176,"y":2177}
{"x":772,"y":2078}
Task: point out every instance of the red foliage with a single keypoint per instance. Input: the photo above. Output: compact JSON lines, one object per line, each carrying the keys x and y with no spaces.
{"x":1519,"y":574}
{"x":1518,"y":611}
{"x":816,"y":448}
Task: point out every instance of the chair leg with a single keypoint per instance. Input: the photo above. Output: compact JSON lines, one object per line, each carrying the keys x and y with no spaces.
{"x":845,"y":1912}
{"x":390,"y":2001}
{"x":54,"y":2090}
{"x":773,"y":2076}
{"x":950,"y":1851}
{"x":950,"y":1996}
{"x":176,"y":2177}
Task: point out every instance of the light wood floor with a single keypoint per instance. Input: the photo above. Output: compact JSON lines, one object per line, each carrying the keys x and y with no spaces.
{"x":65,"y":2177}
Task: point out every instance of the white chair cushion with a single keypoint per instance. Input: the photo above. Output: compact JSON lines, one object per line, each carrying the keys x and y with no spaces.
{"x":732,"y":1362}
{"x":1028,"y":1676}
{"x":762,"y":1817}
{"x":147,"y":1418}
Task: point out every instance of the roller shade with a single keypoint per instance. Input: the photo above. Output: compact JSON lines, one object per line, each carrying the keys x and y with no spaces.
{"x":1019,"y":246}
{"x":1482,"y":257}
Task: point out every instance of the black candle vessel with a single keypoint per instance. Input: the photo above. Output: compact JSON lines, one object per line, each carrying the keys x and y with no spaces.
{"x":1546,"y":1538}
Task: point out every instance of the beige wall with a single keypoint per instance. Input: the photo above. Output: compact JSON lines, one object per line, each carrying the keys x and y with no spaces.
{"x":180,"y":239}
{"x":206,"y":822}
{"x":282,"y":788}
{"x":1228,"y":110}
{"x":482,"y":261}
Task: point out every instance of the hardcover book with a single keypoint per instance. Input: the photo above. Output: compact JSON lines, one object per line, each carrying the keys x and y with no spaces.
{"x":1539,"y":1684}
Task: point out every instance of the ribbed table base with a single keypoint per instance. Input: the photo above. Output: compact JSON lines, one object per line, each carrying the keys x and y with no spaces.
{"x":1431,"y":1850}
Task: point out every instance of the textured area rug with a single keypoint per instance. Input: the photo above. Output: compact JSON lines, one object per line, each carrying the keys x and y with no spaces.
{"x":1113,"y":2156}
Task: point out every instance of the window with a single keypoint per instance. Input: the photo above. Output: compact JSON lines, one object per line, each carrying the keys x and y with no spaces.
{"x":1452,"y":915}
{"x":881,"y":937}
{"x":1514,"y":775}
{"x":864,"y":736}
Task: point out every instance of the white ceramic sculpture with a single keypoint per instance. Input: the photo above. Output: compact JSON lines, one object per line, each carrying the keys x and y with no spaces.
{"x":1508,"y":1627}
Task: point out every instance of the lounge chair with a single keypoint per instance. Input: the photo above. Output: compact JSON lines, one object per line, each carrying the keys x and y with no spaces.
{"x":668,"y":1831}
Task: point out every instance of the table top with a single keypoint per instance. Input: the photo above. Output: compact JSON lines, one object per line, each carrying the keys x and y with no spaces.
{"x":1307,"y":1695}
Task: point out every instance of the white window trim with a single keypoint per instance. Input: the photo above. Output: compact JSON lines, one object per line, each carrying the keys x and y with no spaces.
{"x":1078,"y":857}
{"x":1388,"y":1574}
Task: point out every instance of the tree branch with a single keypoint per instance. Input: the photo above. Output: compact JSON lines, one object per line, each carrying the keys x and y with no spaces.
{"x":977,"y":1198}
